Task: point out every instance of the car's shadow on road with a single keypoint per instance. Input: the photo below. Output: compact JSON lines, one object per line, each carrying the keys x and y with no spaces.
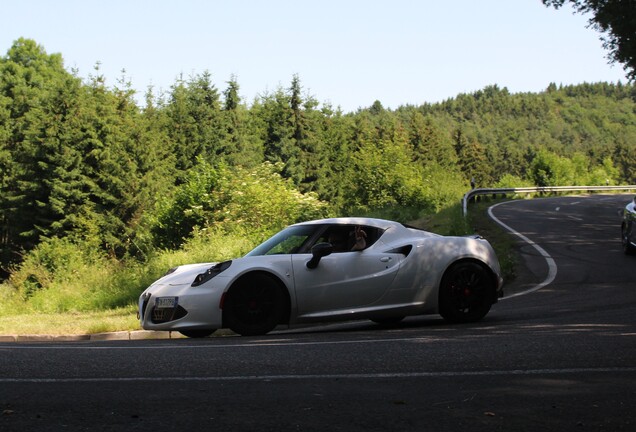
{"x":430,"y":322}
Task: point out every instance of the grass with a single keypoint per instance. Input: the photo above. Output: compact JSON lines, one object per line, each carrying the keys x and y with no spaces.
{"x":70,"y":323}
{"x":501,"y":240}
{"x":60,"y":296}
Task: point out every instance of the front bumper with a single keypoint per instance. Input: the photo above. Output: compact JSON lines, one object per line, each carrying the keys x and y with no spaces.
{"x":196,"y":307}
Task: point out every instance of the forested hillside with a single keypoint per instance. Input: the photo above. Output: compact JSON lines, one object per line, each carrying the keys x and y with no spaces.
{"x":82,"y":162}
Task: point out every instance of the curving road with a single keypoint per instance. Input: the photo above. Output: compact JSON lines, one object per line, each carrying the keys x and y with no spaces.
{"x":562,"y":357}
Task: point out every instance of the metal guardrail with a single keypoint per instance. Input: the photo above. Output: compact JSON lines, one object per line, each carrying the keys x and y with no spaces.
{"x":543,"y":189}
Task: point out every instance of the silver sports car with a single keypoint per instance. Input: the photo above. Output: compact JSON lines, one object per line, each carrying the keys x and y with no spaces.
{"x":628,"y":228}
{"x":329,"y":270}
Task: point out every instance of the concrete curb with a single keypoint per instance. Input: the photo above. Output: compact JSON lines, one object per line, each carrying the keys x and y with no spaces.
{"x":52,"y":338}
{"x":107,"y":336}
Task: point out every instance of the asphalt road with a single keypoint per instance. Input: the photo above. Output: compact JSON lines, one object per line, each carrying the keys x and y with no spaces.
{"x":559,"y":358}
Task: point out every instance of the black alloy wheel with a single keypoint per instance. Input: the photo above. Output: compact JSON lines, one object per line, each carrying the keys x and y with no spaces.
{"x":254,"y":306}
{"x":199,"y":333}
{"x":466,"y":292}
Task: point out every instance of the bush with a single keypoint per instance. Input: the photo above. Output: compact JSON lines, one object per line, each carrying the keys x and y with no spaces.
{"x":444,"y":187}
{"x":259,"y":201}
{"x":512,"y":181}
{"x":58,"y":275}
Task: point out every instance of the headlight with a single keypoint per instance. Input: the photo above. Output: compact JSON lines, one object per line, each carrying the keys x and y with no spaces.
{"x":170,"y":271}
{"x":210,"y":273}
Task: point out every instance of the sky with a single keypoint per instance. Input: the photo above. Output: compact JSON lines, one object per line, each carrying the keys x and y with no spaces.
{"x":346,"y":53}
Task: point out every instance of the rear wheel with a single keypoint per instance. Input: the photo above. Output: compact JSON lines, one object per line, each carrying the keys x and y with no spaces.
{"x":254,"y":306}
{"x":201,"y":333}
{"x":466,"y":292}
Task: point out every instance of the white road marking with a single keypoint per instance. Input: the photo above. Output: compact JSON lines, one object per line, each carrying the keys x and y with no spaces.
{"x":552,"y":267}
{"x":282,"y":341}
{"x":389,"y":375}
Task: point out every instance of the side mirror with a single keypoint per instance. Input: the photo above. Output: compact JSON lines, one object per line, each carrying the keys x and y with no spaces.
{"x":319,"y":251}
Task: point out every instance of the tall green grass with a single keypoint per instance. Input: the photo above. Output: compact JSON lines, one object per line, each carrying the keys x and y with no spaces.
{"x":60,"y":277}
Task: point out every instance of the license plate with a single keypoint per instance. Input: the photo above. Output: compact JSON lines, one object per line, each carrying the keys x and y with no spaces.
{"x":166,"y":302}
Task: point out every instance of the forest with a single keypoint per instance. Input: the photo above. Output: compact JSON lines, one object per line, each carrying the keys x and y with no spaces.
{"x":93,"y":181}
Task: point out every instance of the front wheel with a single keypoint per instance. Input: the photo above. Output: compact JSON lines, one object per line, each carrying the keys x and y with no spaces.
{"x":466,"y":293}
{"x":201,"y":333}
{"x":254,"y":306}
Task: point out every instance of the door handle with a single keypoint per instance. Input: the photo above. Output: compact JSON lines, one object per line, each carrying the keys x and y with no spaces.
{"x":385,"y":259}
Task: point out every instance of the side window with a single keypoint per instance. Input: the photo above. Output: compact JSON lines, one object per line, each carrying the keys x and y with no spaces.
{"x":288,"y":246}
{"x":348,"y":238}
{"x":337,"y":236}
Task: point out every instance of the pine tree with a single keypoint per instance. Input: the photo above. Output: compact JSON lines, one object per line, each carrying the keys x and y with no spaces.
{"x":242,"y":143}
{"x":42,"y":184}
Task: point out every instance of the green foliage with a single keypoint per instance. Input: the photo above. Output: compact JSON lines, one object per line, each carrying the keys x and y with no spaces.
{"x":194,"y":204}
{"x":258,"y":200}
{"x":512,"y":181}
{"x":194,"y":121}
{"x":57,"y":274}
{"x":262,"y":201}
{"x":41,"y":178}
{"x":72,"y":153}
{"x":443,"y":186}
{"x":549,"y":169}
{"x":60,"y":276}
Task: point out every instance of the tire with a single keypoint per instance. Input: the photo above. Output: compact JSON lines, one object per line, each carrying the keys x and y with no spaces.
{"x":254,"y":306}
{"x":628,"y":249}
{"x":201,"y":333}
{"x":466,"y":292}
{"x":387,"y":321}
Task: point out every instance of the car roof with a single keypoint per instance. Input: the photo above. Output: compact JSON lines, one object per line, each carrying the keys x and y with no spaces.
{"x":372,"y":222}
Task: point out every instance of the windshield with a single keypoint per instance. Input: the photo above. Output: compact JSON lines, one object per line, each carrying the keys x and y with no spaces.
{"x":288,"y":241}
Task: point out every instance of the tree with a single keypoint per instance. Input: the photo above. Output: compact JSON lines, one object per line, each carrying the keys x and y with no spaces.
{"x":76,"y":159}
{"x":473,"y":159}
{"x":382,"y":174}
{"x":275,"y":118}
{"x":292,"y":128}
{"x":429,"y":141}
{"x":308,"y":136}
{"x":625,"y":157}
{"x":614,"y":18}
{"x":195,"y":121}
{"x":40,"y":176}
{"x":244,"y":146}
{"x":335,"y":133}
{"x":549,"y":169}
